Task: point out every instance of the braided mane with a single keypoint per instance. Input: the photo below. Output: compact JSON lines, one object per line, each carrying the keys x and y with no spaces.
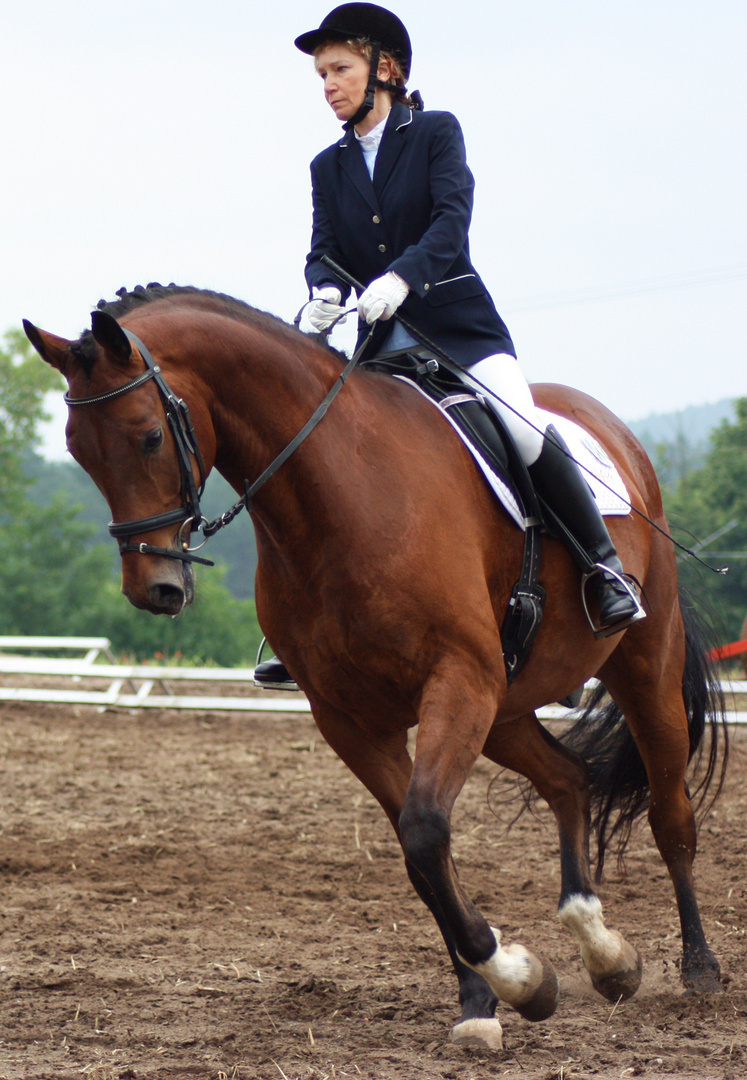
{"x":130,"y":300}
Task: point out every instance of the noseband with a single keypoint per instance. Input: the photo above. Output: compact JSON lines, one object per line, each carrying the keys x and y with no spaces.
{"x":185,"y":441}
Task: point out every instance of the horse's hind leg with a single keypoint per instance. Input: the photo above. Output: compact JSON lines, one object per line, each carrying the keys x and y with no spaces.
{"x":384,"y":766}
{"x":649,"y":693}
{"x":561,"y":779}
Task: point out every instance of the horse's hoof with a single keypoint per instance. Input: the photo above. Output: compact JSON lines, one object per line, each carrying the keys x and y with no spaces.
{"x":705,"y":978}
{"x":478,"y":1034}
{"x":520,"y":979}
{"x":544,"y":1001}
{"x":614,"y":965}
{"x":621,"y":984}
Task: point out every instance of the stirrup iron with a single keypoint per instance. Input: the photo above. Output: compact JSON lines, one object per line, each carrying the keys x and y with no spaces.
{"x":599,"y":569}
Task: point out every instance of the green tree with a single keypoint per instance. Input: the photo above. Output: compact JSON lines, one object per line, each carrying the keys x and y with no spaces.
{"x":23,"y":383}
{"x":52,"y":583}
{"x":215,"y":629}
{"x":49,"y":578}
{"x":677,"y":458}
{"x":705,"y":500}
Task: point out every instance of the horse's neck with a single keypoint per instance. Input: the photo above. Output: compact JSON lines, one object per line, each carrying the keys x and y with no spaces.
{"x":263,"y":394}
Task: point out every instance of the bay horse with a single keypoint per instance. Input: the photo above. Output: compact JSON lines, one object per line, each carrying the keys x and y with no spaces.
{"x":384,"y":569}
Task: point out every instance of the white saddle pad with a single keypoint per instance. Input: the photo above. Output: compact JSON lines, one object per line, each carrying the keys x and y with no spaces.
{"x":596,"y":467}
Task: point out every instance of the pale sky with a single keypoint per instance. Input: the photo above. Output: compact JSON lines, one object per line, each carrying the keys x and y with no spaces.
{"x":169,"y":140}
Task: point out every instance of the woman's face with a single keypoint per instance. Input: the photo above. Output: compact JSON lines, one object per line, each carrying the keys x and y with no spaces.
{"x":345,"y":77}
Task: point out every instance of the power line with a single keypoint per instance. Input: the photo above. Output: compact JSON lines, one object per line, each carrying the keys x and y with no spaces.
{"x":623,"y":291}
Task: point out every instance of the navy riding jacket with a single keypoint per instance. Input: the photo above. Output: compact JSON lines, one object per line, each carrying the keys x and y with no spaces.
{"x":414,"y":219}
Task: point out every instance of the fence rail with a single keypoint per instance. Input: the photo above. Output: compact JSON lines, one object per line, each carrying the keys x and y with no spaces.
{"x":146,"y":686}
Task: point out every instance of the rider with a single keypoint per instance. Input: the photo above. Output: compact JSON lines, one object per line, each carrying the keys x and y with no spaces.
{"x":392,"y":202}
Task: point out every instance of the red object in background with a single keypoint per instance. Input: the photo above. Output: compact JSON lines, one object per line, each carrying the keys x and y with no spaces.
{"x":725,"y":651}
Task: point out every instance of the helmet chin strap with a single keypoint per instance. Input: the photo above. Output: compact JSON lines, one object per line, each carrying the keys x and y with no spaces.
{"x":374,"y":83}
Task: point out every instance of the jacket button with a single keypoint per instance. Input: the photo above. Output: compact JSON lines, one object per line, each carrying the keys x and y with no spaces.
{"x":382,"y":248}
{"x":426,"y":287}
{"x":376,"y":219}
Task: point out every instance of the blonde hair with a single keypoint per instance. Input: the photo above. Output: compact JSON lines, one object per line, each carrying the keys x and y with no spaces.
{"x":363,"y":47}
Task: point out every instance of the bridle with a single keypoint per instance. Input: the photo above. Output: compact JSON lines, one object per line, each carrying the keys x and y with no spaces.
{"x":185,"y":440}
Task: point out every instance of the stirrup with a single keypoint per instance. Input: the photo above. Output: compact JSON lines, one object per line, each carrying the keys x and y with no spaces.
{"x":275,"y":675}
{"x":599,"y":569}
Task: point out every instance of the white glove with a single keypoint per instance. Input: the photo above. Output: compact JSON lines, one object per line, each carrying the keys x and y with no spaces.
{"x":382,"y":297}
{"x":325,"y":307}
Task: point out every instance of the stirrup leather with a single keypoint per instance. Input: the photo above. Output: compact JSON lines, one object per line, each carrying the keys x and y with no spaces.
{"x":627,"y":583}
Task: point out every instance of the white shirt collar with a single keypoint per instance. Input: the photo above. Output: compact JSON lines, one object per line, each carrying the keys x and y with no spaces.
{"x":372,"y":138}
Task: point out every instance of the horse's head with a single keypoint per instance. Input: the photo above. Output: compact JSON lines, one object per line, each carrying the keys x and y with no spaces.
{"x":133,"y":435}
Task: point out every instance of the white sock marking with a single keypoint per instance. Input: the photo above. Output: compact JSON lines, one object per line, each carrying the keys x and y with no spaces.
{"x":513,"y":973}
{"x":601,"y":949}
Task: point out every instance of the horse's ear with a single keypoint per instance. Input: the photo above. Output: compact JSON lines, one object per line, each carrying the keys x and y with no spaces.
{"x":110,"y":336}
{"x":54,"y":350}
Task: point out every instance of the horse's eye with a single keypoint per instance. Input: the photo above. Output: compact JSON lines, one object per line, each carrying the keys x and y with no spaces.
{"x":151,"y":442}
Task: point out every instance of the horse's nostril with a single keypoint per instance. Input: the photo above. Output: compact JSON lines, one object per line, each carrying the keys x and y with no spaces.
{"x":167,"y":598}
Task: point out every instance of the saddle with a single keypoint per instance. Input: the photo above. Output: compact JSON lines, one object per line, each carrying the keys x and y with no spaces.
{"x":483,"y":428}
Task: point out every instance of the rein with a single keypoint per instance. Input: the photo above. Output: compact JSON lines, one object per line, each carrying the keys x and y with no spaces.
{"x":185,"y":439}
{"x":211,"y":527}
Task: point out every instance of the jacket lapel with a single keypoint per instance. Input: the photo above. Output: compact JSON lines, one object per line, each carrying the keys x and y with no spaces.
{"x":392,"y":144}
{"x":352,"y":163}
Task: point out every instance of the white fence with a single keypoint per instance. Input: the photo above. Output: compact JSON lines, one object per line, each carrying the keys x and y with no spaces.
{"x":145,"y":686}
{"x":130,"y":686}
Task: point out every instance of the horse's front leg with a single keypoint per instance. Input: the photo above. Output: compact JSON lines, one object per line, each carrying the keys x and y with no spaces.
{"x":383,"y":764}
{"x":477,"y":1025}
{"x":560,"y":778}
{"x":457,"y":707}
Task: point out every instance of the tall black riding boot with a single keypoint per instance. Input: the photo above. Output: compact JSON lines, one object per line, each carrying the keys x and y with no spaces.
{"x":559,"y":483}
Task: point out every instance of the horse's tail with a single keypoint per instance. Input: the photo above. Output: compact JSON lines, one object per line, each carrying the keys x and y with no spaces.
{"x":619,"y":786}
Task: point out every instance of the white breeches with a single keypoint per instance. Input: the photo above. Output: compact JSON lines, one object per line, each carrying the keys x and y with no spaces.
{"x":512,"y":400}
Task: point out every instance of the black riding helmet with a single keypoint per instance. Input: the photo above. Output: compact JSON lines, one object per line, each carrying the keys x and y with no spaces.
{"x":381,"y":27}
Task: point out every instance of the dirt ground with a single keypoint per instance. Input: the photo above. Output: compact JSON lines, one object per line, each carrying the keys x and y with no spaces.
{"x":214,"y":896}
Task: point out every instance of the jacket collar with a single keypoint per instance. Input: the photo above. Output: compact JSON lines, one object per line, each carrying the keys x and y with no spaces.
{"x":352,"y":162}
{"x":392,"y":144}
{"x":400,"y":116}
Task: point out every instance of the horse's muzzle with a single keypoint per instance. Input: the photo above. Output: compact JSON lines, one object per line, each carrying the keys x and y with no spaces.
{"x":166,"y":599}
{"x":167,"y":591}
